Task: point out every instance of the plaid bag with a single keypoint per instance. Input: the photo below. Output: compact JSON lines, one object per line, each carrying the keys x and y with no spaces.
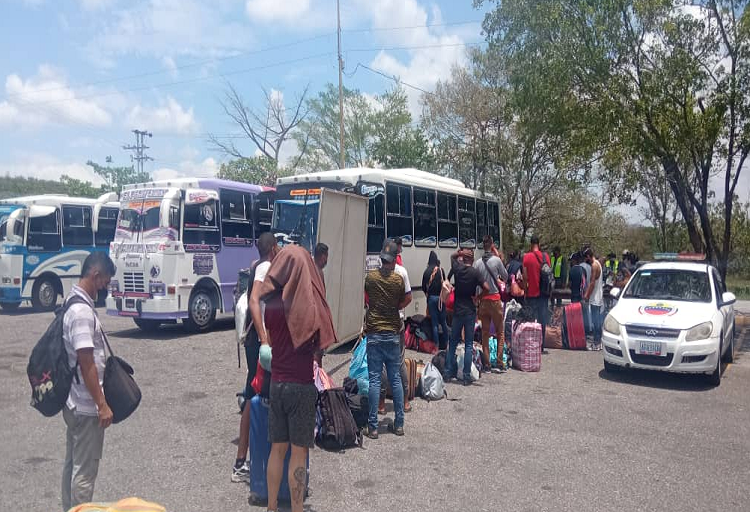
{"x":527,"y":346}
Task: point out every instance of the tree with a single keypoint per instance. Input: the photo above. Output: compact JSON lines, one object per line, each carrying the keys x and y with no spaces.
{"x":259,"y":170}
{"x":318,"y":136}
{"x":115,"y":177}
{"x":268,"y":129}
{"x":79,"y":188}
{"x":640,"y":79}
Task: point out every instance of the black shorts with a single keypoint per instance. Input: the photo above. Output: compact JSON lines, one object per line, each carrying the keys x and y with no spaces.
{"x":291,"y":414}
{"x":252,"y":352}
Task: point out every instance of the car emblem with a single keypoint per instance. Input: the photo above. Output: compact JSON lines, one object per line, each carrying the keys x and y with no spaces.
{"x":652,"y":332}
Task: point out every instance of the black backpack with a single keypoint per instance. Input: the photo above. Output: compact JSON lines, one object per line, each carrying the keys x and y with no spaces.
{"x":439,"y":361}
{"x":49,"y":372}
{"x":338,"y":430}
{"x":546,"y":276}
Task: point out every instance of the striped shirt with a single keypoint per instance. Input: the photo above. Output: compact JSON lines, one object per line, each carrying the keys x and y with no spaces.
{"x":81,"y":330}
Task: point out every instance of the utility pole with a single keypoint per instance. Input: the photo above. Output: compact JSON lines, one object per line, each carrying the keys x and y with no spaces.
{"x":342,"y":157}
{"x":139,"y":149}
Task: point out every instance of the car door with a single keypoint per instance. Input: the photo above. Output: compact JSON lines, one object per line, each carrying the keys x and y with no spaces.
{"x":727,"y":312}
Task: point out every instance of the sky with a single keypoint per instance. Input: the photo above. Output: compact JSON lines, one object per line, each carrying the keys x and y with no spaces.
{"x":77,"y":76}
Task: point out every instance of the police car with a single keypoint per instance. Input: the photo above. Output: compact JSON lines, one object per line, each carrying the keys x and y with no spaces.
{"x":673,"y":316}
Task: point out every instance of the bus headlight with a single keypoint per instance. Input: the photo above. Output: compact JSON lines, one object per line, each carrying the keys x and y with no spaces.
{"x":611,"y":325}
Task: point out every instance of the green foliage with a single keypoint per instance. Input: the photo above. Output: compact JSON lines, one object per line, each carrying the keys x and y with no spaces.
{"x":17,"y":186}
{"x":79,"y":188}
{"x":259,"y":170}
{"x":376,"y":133}
{"x":115,"y":177}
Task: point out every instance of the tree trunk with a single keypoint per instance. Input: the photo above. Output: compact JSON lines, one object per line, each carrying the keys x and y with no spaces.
{"x":680,"y":194}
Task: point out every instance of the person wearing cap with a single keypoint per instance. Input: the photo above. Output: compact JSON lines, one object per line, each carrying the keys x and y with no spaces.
{"x":467,"y":280}
{"x":386,"y":295}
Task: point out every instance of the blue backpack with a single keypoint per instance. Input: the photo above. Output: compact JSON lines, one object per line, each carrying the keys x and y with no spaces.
{"x":358,"y":367}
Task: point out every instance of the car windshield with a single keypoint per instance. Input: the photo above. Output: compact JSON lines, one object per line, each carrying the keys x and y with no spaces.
{"x":669,"y":284}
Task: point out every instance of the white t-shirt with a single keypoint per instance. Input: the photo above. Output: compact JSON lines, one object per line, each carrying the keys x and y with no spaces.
{"x":81,"y":330}
{"x":260,"y":275}
{"x":407,"y":286}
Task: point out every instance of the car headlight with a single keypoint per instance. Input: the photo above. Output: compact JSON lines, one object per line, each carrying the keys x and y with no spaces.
{"x":611,"y":325}
{"x":700,"y":332}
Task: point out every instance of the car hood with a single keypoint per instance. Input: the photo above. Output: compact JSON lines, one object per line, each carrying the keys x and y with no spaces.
{"x":662,"y":313}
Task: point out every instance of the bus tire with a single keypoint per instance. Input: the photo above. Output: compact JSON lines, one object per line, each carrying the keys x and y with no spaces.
{"x":201,"y":310}
{"x":147,"y":325}
{"x":10,"y":306}
{"x":44,"y":293}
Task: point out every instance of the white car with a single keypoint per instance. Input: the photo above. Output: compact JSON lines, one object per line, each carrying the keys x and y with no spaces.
{"x":671,"y":316}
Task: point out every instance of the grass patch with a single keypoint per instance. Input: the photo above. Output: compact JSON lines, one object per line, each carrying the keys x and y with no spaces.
{"x":739,"y":286}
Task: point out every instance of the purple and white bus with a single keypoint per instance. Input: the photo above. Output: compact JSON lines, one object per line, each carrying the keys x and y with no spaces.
{"x":179,"y":245}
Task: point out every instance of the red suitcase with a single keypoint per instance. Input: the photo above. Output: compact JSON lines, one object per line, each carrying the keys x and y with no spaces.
{"x":574,"y":330}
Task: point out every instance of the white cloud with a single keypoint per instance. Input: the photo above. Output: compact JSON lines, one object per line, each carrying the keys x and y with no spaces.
{"x":48,"y":167}
{"x":170,"y":65}
{"x":169,"y":117}
{"x":288,"y":12}
{"x":170,"y":27}
{"x":95,"y":5}
{"x":206,"y":168}
{"x":47,"y":99}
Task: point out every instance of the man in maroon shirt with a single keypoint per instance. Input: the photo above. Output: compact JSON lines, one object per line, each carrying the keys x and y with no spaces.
{"x":532,"y":272}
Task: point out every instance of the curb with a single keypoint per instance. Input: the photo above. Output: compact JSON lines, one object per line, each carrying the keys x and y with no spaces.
{"x":742,"y":320}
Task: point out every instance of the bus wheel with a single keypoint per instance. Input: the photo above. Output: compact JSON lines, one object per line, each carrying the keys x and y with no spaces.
{"x":10,"y":306}
{"x":147,"y":325}
{"x":44,"y":294}
{"x":201,"y":311}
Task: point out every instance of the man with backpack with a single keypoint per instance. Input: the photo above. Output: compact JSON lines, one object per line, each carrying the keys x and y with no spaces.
{"x":490,"y":311}
{"x":86,"y":412}
{"x":267,"y":249}
{"x":537,"y":276}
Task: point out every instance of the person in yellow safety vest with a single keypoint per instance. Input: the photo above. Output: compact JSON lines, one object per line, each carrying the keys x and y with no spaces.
{"x":611,"y":266}
{"x":559,"y":270}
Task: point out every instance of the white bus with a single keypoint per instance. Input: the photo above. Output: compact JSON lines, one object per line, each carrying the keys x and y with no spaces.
{"x":429,"y":213}
{"x":179,"y":245}
{"x":43,"y":242}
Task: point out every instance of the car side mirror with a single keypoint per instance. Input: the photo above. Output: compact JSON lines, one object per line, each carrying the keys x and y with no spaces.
{"x":727,"y":299}
{"x":614,"y":292}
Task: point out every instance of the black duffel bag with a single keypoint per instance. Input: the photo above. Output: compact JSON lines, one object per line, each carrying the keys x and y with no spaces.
{"x":120,"y":390}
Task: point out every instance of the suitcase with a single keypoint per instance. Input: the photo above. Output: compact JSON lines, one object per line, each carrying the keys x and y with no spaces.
{"x":553,"y":337}
{"x":411,"y":384}
{"x":574,"y":333}
{"x":527,"y":347}
{"x":260,"y":449}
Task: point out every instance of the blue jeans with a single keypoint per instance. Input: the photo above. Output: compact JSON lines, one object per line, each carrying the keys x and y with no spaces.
{"x":383,"y":349}
{"x":597,"y":318}
{"x":465,"y":324}
{"x":437,"y":317}
{"x":541,"y":308}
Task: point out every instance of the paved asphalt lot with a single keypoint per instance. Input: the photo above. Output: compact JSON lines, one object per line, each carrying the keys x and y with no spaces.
{"x":568,"y":438}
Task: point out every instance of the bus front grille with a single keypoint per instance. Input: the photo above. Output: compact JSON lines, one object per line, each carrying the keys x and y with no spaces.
{"x":133,"y":282}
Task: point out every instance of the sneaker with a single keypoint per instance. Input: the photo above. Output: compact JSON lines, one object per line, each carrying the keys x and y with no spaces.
{"x":598,"y":347}
{"x":589,"y":346}
{"x":399,"y":431}
{"x":241,"y":474}
{"x":371,"y":433}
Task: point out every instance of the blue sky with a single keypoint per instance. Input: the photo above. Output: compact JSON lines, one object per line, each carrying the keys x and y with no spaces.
{"x":77,"y":76}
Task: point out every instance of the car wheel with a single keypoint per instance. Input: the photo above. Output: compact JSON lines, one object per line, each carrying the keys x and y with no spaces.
{"x":10,"y":306}
{"x":714,"y":378}
{"x":147,"y":325}
{"x":201,"y":311}
{"x":44,"y":294}
{"x":611,"y":368}
{"x":729,"y":356}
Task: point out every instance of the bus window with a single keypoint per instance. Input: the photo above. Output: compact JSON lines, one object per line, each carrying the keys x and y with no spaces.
{"x":77,"y":229}
{"x":447,"y":221}
{"x":107,"y":225}
{"x":174,"y":217}
{"x":44,"y":233}
{"x":482,"y":226}
{"x":200,"y":225}
{"x":236,"y":209}
{"x":425,"y":218}
{"x":262,"y":212}
{"x":493,"y":217}
{"x":376,"y":223}
{"x":398,"y":212}
{"x":467,"y":222}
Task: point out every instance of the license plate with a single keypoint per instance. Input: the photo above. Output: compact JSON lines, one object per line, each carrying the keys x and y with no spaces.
{"x":650,"y":348}
{"x":129,"y":303}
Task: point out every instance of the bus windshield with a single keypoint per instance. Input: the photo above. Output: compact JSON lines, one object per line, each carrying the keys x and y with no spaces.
{"x":297,"y":220}
{"x":140,"y":220}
